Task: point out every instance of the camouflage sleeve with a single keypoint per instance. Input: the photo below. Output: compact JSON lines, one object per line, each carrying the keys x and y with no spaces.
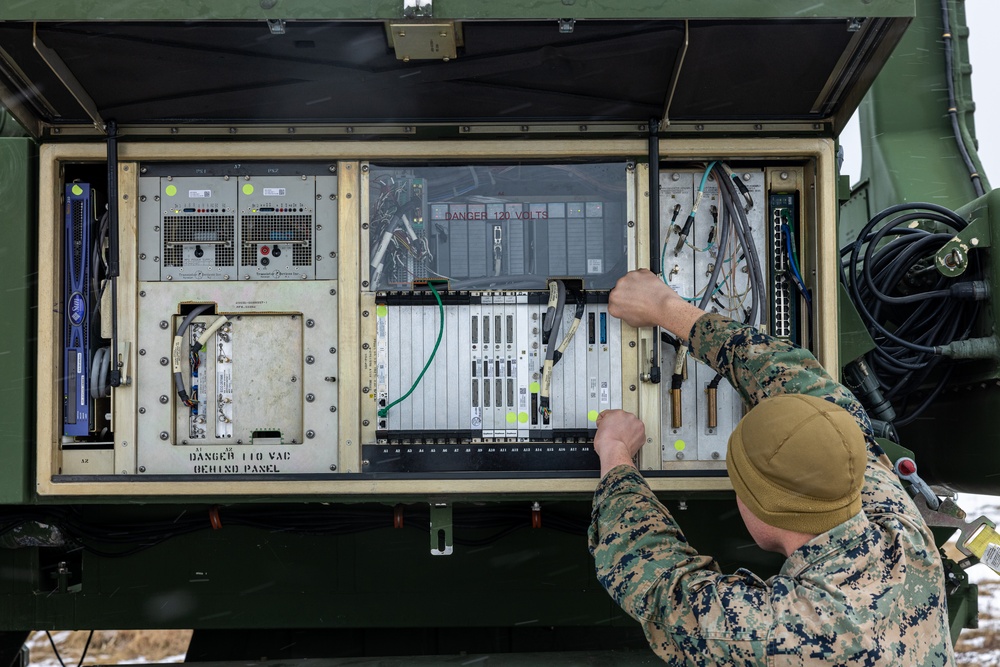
{"x":691,"y":613}
{"x":759,"y":366}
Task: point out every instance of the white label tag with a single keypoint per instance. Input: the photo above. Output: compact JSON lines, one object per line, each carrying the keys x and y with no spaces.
{"x":991,"y":558}
{"x":595,"y":265}
{"x":199,"y":194}
{"x":274,"y":192}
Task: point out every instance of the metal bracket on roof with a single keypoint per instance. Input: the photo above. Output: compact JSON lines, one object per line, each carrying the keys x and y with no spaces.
{"x":418,"y":9}
{"x":665,"y":122}
{"x":65,"y":75}
{"x":276,"y":26}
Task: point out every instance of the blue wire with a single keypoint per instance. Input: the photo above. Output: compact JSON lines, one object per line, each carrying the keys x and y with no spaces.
{"x":791,"y":262}
{"x":704,"y":177}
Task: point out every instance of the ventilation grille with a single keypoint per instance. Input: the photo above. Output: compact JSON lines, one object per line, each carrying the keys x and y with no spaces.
{"x":181,"y":230}
{"x":283,"y":230}
{"x":79,"y":211}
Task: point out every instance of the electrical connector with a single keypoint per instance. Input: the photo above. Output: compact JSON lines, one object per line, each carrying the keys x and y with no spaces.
{"x":973,"y":290}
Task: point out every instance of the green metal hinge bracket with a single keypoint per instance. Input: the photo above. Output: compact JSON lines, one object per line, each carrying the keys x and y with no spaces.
{"x":953,"y":258}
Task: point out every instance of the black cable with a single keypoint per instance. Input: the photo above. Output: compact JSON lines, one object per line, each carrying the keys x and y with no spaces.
{"x":113,"y":259}
{"x":952,"y":103}
{"x":54,"y":649}
{"x":907,"y":305}
{"x":654,"y":227}
{"x":85,"y":647}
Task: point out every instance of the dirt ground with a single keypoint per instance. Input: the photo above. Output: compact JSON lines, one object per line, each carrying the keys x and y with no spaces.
{"x":110,"y":647}
{"x":975,"y":648}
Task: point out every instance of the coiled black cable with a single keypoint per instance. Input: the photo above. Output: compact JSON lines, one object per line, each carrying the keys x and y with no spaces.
{"x":908,"y":306}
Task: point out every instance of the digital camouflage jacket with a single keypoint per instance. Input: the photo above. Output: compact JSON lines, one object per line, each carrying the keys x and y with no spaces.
{"x":868,"y":592}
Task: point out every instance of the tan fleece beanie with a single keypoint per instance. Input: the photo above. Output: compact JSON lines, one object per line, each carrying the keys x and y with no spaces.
{"x":798,"y":462}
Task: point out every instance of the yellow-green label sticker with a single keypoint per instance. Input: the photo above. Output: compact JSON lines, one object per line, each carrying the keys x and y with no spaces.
{"x":76,"y":189}
{"x":511,"y":417}
{"x":171,"y":190}
{"x":381,"y":310}
{"x":679,"y":445}
{"x":592,"y":415}
{"x":522,"y":417}
{"x":533,"y":387}
{"x":248,"y":188}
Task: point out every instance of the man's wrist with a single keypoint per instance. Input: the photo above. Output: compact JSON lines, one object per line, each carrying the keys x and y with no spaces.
{"x":614,"y":455}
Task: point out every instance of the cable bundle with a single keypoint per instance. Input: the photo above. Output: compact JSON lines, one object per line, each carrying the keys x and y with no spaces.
{"x":908,"y":306}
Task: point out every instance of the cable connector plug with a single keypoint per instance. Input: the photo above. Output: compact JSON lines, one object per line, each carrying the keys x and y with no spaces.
{"x":745,"y":191}
{"x":863,"y":383}
{"x":973,"y":290}
{"x":685,"y":230}
{"x":971,"y":348}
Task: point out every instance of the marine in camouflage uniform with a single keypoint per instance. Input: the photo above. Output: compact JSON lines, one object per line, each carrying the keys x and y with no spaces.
{"x":868,"y":592}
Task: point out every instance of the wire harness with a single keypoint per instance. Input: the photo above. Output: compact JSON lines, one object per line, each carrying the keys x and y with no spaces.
{"x":909,"y":307}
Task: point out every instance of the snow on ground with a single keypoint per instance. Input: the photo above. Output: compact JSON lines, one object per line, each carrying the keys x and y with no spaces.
{"x":109,"y":647}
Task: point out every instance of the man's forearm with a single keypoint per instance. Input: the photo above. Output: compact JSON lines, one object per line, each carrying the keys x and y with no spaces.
{"x":680,"y":318}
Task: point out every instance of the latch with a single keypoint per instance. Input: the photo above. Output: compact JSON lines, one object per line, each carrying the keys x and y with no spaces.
{"x":442,"y":542}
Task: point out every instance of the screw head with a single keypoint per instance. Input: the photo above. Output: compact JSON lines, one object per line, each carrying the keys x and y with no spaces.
{"x":163,"y":399}
{"x":365,"y":422}
{"x":310,"y":434}
{"x":164,"y":361}
{"x":142,"y":352}
{"x":142,"y":468}
{"x":333,"y":467}
{"x":310,"y":323}
{"x":631,"y":387}
{"x":631,"y":343}
{"x":365,"y":346}
{"x":164,"y":435}
{"x":364,"y":390}
{"x":310,"y":359}
{"x":364,"y":313}
{"x":333,"y":350}
{"x":294,"y":379}
{"x":333,"y":408}
{"x":164,"y":324}
{"x":142,"y":293}
{"x":142,"y":411}
{"x":310,"y":398}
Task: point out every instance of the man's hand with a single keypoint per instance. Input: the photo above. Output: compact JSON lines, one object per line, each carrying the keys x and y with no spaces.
{"x":641,"y":299}
{"x":620,"y":435}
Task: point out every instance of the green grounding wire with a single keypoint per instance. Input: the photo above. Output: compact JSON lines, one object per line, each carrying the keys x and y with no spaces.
{"x":384,"y":411}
